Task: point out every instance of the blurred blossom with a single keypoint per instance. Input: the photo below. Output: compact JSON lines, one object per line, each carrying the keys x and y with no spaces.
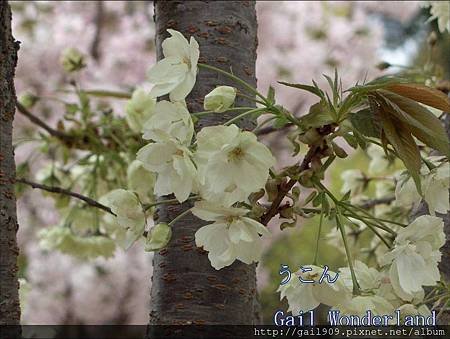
{"x":300,"y":41}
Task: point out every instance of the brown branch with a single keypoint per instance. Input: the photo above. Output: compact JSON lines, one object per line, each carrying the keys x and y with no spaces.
{"x":314,"y":152}
{"x":37,"y":121}
{"x":95,"y":46}
{"x":374,"y":202}
{"x":63,"y":191}
{"x":286,"y":187}
{"x":271,"y":129}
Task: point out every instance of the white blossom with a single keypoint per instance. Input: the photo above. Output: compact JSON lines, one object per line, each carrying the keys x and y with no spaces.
{"x":411,"y":310}
{"x":231,"y":236}
{"x":232,"y":163}
{"x":176,"y":73}
{"x":176,"y":171}
{"x":139,"y":109}
{"x":378,"y":161}
{"x":170,"y":120}
{"x":158,"y":237}
{"x":220,"y":99}
{"x":368,"y":278}
{"x":435,"y":186}
{"x":123,"y":237}
{"x":415,"y":257}
{"x":141,"y":181}
{"x":436,"y":189}
{"x":125,"y":204}
{"x":360,"y":304}
{"x":307,"y":296}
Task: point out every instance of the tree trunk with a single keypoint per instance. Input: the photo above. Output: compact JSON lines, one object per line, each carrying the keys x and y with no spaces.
{"x":185,"y":288}
{"x":9,"y":286}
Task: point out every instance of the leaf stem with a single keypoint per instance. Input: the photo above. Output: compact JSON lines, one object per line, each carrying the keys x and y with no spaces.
{"x":319,"y":231}
{"x":250,"y":98}
{"x":240,"y":116}
{"x":179,"y":216}
{"x":356,"y":288}
{"x":167,"y":201}
{"x":199,"y":114}
{"x":235,"y":78}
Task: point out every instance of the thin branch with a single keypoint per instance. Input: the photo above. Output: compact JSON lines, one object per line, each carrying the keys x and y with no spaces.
{"x":313,"y":152}
{"x":285,"y":188}
{"x":374,"y":202}
{"x":63,"y":191}
{"x":37,"y":121}
{"x":95,"y":46}
{"x":271,"y":129}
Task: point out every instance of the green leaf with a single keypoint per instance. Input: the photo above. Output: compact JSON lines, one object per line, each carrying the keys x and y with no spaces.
{"x":422,"y":123}
{"x":280,"y":121}
{"x":424,"y":94}
{"x":309,"y":198}
{"x":71,"y":108}
{"x":346,"y":196}
{"x":312,"y":89}
{"x":318,"y":199}
{"x":351,"y":140}
{"x":325,"y":205}
{"x":399,"y":136}
{"x":378,"y":83}
{"x":319,"y":115}
{"x":364,"y":122}
{"x":271,"y":95}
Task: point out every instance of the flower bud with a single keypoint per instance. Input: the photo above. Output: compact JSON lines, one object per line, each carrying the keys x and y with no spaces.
{"x":383,"y":65}
{"x":310,"y":137}
{"x":339,"y":151}
{"x":72,"y":60}
{"x":272,"y":189}
{"x":158,"y":237}
{"x":220,"y":99}
{"x":27,"y":99}
{"x":139,"y":109}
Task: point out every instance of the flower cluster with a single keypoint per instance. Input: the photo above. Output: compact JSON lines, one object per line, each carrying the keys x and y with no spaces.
{"x":396,"y":284}
{"x":221,"y":164}
{"x":407,"y":262}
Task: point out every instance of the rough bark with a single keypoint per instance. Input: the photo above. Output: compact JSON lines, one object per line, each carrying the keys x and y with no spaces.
{"x":9,"y":286}
{"x":185,"y":288}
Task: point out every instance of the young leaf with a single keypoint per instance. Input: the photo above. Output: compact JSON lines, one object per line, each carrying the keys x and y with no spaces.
{"x":423,"y":124}
{"x":308,"y":88}
{"x":424,"y":94}
{"x":399,"y":136}
{"x":271,"y":95}
{"x":364,"y":121}
{"x":319,"y":115}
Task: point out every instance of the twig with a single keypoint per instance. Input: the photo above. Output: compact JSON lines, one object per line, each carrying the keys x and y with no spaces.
{"x":35,"y":120}
{"x":59,"y":190}
{"x":95,"y":52}
{"x":371,"y":203}
{"x":271,"y":129}
{"x":285,"y":188}
{"x":313,"y":152}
